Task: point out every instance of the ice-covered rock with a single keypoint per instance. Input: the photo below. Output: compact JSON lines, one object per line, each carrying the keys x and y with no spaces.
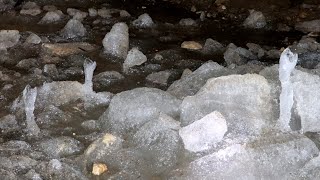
{"x":134,"y":58}
{"x":116,"y":42}
{"x":190,"y":85}
{"x":308,"y":26}
{"x":51,"y":17}
{"x":30,"y":8}
{"x":129,"y":110}
{"x":160,"y":78}
{"x":33,"y":39}
{"x":50,"y":70}
{"x":204,"y":133}
{"x":143,"y":21}
{"x":311,"y":170}
{"x":74,"y":28}
{"x":212,"y":47}
{"x":255,"y":20}
{"x":237,"y":55}
{"x":104,"y":13}
{"x":8,"y":38}
{"x":244,"y":100}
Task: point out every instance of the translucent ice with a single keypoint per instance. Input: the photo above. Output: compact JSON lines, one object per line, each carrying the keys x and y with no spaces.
{"x":29,"y":98}
{"x":288,"y":61}
{"x":89,"y":67}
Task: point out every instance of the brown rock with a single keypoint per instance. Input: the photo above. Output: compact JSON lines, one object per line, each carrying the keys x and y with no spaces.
{"x":99,"y":168}
{"x":67,"y":49}
{"x":192,"y":45}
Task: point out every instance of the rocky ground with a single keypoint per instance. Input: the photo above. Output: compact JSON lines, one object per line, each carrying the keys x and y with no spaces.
{"x":111,"y":91}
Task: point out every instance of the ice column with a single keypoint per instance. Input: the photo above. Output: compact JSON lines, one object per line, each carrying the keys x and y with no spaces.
{"x":89,"y":67}
{"x":29,"y":99}
{"x":288,"y":61}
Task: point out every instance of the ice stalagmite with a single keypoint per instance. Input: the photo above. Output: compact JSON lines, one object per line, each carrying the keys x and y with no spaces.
{"x":89,"y":67}
{"x":288,"y":61}
{"x":29,"y":98}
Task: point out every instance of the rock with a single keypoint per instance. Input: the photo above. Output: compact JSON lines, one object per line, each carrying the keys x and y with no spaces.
{"x":73,"y":72}
{"x":67,"y":49}
{"x":92,"y":12}
{"x":160,"y":78}
{"x":49,"y":8}
{"x":107,"y":78}
{"x":159,"y":141}
{"x":273,"y":54}
{"x":27,"y":64}
{"x":129,"y":110}
{"x":33,"y":39}
{"x":191,"y":84}
{"x":14,"y":147}
{"x":124,"y":14}
{"x":186,"y":73}
{"x":99,"y":168}
{"x":7,"y":175}
{"x":8,"y":124}
{"x":134,"y":58}
{"x":191,"y":45}
{"x":306,"y":44}
{"x":32,"y":175}
{"x":116,"y":42}
{"x":309,"y":171}
{"x":255,"y":20}
{"x":244,"y":101}
{"x":104,"y":13}
{"x":188,"y":22}
{"x":281,"y":156}
{"x":256,"y":49}
{"x":309,"y":59}
{"x":52,"y":116}
{"x":237,"y":55}
{"x":308,"y":26}
{"x":30,"y":8}
{"x":59,"y":147}
{"x":143,"y":21}
{"x":51,"y":70}
{"x":51,"y":17}
{"x":212,"y":47}
{"x":20,"y":163}
{"x":90,"y":125}
{"x":74,"y":28}
{"x":8,"y":38}
{"x":77,"y":14}
{"x":204,"y":133}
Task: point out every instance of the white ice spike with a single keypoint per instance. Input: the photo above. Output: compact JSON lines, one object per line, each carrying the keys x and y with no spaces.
{"x":29,"y":99}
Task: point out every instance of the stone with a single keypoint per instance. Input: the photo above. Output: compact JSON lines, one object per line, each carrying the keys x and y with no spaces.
{"x":107,"y":78}
{"x":212,"y":47}
{"x":188,"y":22}
{"x":256,"y":49}
{"x":51,"y":17}
{"x":92,"y":12}
{"x":204,"y":133}
{"x":104,"y":13}
{"x":160,"y":78}
{"x":129,"y":110}
{"x":77,"y":14}
{"x":124,"y":14}
{"x":30,"y":8}
{"x":308,"y":26}
{"x":7,"y":175}
{"x":255,"y":20}
{"x":90,"y":125}
{"x":309,"y":60}
{"x":134,"y":58}
{"x":27,"y":64}
{"x":14,"y":147}
{"x":8,"y":124}
{"x":33,"y":39}
{"x":32,"y":175}
{"x":191,"y":84}
{"x":49,"y":8}
{"x":237,"y":55}
{"x":273,"y":54}
{"x":21,"y":163}
{"x":52,"y":116}
{"x":59,"y":147}
{"x":9,"y":38}
{"x":116,"y":42}
{"x":67,"y":49}
{"x":51,"y":70}
{"x":143,"y":21}
{"x":191,"y":45}
{"x":244,"y":101}
{"x":74,"y":28}
{"x":99,"y":168}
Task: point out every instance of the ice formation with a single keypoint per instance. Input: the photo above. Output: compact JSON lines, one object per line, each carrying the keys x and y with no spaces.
{"x":89,"y":67}
{"x":29,"y":98}
{"x":288,"y":61}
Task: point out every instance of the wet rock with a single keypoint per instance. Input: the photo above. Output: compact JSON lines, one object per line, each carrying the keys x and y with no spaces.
{"x":305,"y":45}
{"x":49,"y":8}
{"x":59,"y":147}
{"x":32,"y":175}
{"x":191,"y":45}
{"x":51,"y":17}
{"x":104,"y":13}
{"x":6,"y":5}
{"x":158,"y":139}
{"x":129,"y":110}
{"x":282,"y":155}
{"x":160,"y":78}
{"x":188,"y":22}
{"x":8,"y":124}
{"x":67,"y":49}
{"x":244,"y":100}
{"x":7,"y":175}
{"x":73,"y":72}
{"x":255,"y":20}
{"x":77,"y":14}
{"x":33,"y":39}
{"x":237,"y":55}
{"x":124,"y":14}
{"x":54,"y":169}
{"x":20,"y":164}
{"x":273,"y":54}
{"x":74,"y":28}
{"x":92,"y":12}
{"x":52,"y":116}
{"x":51,"y":70}
{"x":134,"y":58}
{"x":308,"y":26}
{"x":204,"y":133}
{"x":30,"y":8}
{"x":116,"y":42}
{"x":106,"y":79}
{"x":14,"y":147}
{"x":212,"y":47}
{"x":309,"y":60}
{"x":185,"y":73}
{"x":256,"y":49}
{"x":8,"y":38}
{"x":90,"y":125}
{"x":28,"y":63}
{"x":143,"y":21}
{"x":191,"y":84}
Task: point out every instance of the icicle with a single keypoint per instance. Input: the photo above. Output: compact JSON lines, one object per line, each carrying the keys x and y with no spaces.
{"x":29,"y":99}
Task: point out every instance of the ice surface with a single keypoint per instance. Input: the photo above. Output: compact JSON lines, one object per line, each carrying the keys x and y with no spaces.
{"x":288,"y":61}
{"x":204,"y":133}
{"x":29,"y":99}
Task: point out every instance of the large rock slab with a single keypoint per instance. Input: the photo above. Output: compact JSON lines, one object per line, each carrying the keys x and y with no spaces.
{"x":244,"y":100}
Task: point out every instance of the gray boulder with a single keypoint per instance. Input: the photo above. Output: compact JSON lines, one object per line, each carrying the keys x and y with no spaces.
{"x":74,"y":28}
{"x":255,"y":20}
